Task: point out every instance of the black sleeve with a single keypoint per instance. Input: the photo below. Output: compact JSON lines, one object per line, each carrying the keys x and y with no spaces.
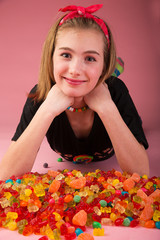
{"x":28,"y":112}
{"x":127,"y":109}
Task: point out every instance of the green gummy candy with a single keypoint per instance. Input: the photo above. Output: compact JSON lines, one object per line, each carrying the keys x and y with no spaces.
{"x":96,"y":225}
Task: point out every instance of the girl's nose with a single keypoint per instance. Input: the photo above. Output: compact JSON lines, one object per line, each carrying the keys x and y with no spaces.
{"x":75,"y":68}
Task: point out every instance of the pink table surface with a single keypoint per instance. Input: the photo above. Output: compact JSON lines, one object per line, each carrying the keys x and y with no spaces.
{"x":111,"y":233}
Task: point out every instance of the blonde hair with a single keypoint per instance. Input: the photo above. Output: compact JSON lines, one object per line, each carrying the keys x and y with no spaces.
{"x":46,"y":77}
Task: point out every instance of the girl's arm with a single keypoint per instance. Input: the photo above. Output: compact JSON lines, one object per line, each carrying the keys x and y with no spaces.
{"x":21,"y":154}
{"x":130,"y":154}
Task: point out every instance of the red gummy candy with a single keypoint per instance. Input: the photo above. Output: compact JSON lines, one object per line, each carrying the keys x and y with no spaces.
{"x":43,"y":238}
{"x":63,"y":229}
{"x":134,"y":223}
{"x":118,"y":221}
{"x":70,"y":236}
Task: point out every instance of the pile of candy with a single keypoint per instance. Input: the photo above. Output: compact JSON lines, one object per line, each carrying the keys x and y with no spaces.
{"x":64,"y":203}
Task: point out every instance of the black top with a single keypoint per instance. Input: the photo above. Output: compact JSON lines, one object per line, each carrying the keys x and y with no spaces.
{"x":97,"y":146}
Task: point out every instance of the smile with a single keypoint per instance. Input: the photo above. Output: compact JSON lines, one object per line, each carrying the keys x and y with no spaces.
{"x":74,"y":81}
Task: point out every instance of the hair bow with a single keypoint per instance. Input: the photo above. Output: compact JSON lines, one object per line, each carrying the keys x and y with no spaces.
{"x":78,"y":11}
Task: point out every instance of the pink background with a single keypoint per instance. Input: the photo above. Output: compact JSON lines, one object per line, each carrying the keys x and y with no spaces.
{"x":135,"y":25}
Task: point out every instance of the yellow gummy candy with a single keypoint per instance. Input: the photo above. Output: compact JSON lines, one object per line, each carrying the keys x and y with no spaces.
{"x":12,"y":215}
{"x":113,"y":216}
{"x":115,"y":182}
{"x":28,"y":192}
{"x":98,"y":231}
{"x":156,"y":216}
{"x":57,"y":216}
{"x":12,"y":225}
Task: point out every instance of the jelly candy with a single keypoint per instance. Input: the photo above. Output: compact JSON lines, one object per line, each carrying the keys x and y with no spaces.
{"x":59,"y":160}
{"x":78,"y":231}
{"x":71,"y":229}
{"x":156,"y":216}
{"x":155,"y":194}
{"x":63,"y":203}
{"x":157,"y":224}
{"x":96,"y":225}
{"x":103,"y":203}
{"x":141,"y":194}
{"x":118,"y":174}
{"x":68,"y":198}
{"x":149,"y":224}
{"x":98,"y":232}
{"x":53,"y":173}
{"x":126,"y":222}
{"x":55,"y":185}
{"x":12,"y":215}
{"x":78,"y":183}
{"x":135,"y":177}
{"x":118,"y":221}
{"x":113,"y":217}
{"x":134,"y":223}
{"x":85,"y":236}
{"x":80,"y":218}
{"x":147,"y":213}
{"x":128,"y":184}
{"x":70,"y":236}
{"x":106,"y":221}
{"x":28,"y":230}
{"x":77,"y":198}
{"x":43,"y":238}
{"x":12,"y":225}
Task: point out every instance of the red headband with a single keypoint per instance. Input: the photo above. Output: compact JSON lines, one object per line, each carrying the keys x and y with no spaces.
{"x":78,"y":11}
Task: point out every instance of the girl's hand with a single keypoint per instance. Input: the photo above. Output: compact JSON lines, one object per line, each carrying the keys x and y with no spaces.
{"x":56,"y":101}
{"x":98,"y":98}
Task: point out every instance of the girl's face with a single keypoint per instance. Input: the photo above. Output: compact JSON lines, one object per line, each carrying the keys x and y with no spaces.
{"x":78,"y":61}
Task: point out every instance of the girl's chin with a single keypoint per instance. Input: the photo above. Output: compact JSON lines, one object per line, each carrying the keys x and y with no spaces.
{"x":73,"y":94}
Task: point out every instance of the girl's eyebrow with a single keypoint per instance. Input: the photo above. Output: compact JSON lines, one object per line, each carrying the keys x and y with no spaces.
{"x":71,"y":50}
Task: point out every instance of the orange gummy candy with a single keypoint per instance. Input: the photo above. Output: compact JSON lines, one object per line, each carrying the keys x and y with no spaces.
{"x":68,"y":198}
{"x":80,"y":218}
{"x":142,"y":194}
{"x":118,"y":174}
{"x":78,"y":183}
{"x":147,"y":212}
{"x":55,"y":185}
{"x":53,"y":173}
{"x":135,"y":177}
{"x":149,"y":224}
{"x":128,"y":184}
{"x":85,"y":236}
{"x":155,"y":194}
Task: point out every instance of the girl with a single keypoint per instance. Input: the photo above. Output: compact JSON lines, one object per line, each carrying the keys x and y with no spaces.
{"x":86,"y":114}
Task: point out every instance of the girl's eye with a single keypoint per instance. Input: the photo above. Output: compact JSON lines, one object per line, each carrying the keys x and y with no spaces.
{"x":90,"y":59}
{"x":66,"y":55}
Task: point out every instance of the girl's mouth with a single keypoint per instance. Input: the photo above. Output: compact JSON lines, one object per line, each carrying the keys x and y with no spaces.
{"x":74,"y":81}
